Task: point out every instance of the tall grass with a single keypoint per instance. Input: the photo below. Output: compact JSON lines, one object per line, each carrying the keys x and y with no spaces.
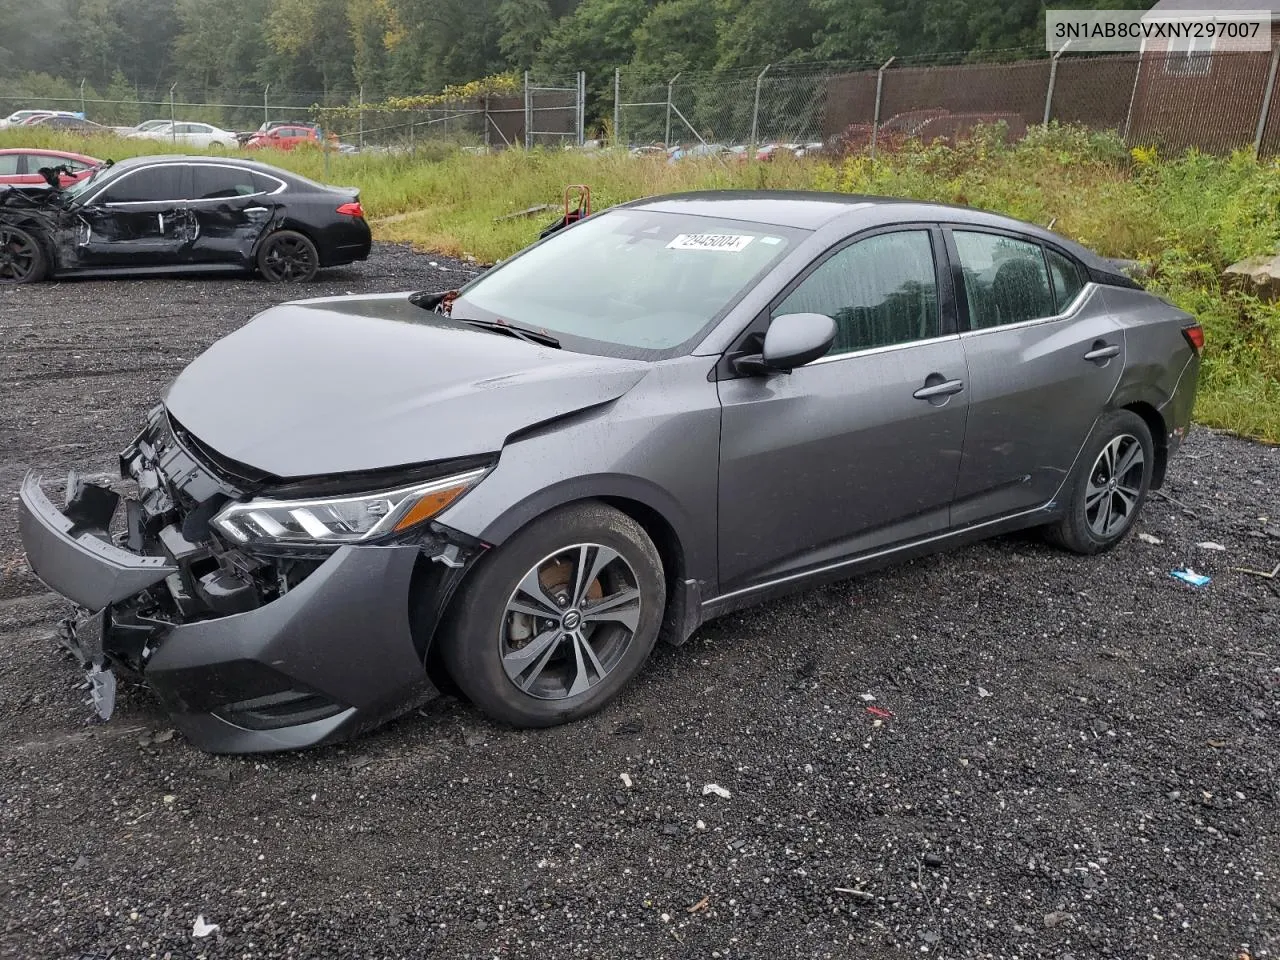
{"x":1187,"y":217}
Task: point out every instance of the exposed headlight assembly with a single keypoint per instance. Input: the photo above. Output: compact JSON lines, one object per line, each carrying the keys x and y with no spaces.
{"x":336,"y":520}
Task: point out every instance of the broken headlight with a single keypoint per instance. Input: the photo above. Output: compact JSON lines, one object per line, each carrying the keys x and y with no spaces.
{"x":349,"y":519}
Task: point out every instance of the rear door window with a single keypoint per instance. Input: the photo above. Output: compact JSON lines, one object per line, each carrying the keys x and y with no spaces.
{"x":9,"y":164}
{"x":220,"y":183}
{"x":37,"y":160}
{"x":1005,"y":279}
{"x":265,"y":184}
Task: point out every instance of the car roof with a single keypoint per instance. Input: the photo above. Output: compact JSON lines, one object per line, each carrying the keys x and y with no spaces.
{"x":810,"y":210}
{"x":43,"y":151}
{"x":783,"y":208}
{"x":130,"y":163}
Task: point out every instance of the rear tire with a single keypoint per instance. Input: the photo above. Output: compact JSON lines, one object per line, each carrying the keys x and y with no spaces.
{"x":22,"y":259}
{"x":1108,"y":486}
{"x":287,"y":256}
{"x":534,"y":646}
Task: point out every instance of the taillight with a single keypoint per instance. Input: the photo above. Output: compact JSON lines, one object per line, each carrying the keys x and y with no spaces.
{"x":1195,"y":336}
{"x":352,"y":209}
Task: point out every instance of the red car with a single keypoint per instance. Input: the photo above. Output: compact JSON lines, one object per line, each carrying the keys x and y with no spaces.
{"x":285,"y":137}
{"x":22,"y":165}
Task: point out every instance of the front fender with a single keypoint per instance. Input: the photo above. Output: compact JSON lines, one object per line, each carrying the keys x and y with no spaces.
{"x":657,"y":446}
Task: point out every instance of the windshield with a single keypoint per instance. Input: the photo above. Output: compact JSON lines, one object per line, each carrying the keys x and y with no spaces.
{"x":635,"y":279}
{"x":80,"y":186}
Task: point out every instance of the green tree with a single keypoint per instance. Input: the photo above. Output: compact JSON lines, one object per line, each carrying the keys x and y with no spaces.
{"x":756,"y":32}
{"x":525,"y":24}
{"x":677,"y":35}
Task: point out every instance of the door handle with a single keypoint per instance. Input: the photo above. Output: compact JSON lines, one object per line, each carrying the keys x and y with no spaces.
{"x":934,"y":390}
{"x":255,"y":209}
{"x":1102,"y":351}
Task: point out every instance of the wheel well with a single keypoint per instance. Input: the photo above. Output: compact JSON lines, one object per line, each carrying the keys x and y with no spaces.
{"x":46,"y":244}
{"x":670,"y":550}
{"x":427,"y":579}
{"x":281,"y":228}
{"x":1159,"y":439}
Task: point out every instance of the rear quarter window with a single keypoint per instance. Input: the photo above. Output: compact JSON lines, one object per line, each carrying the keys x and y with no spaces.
{"x":1068,"y":278}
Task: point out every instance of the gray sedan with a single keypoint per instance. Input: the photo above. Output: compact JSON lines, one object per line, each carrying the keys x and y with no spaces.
{"x":661,"y":413}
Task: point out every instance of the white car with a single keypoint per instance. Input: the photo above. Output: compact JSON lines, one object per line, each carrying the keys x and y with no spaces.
{"x":200,"y":135}
{"x":18,"y":117}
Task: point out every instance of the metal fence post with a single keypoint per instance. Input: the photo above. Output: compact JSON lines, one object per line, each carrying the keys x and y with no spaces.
{"x":875,"y":120}
{"x":670,"y":83}
{"x":617,"y":106}
{"x":528,"y":114}
{"x":361,"y":116}
{"x":755,"y":112}
{"x":266,"y":104}
{"x":485,"y":120}
{"x":1133,"y":94}
{"x":83,"y":110}
{"x":582,"y":104}
{"x":173,"y":115}
{"x":1053,"y":79}
{"x":1266,"y":103}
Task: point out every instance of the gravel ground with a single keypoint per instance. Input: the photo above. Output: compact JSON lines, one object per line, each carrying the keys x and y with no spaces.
{"x":1077,"y":757}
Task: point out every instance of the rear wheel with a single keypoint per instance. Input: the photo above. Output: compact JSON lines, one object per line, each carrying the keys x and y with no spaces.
{"x":1108,"y":487}
{"x":288,"y":257}
{"x":22,"y":260}
{"x":552,"y":625}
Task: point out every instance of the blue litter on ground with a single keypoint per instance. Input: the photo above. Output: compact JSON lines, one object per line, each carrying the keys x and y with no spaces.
{"x":1190,"y":576}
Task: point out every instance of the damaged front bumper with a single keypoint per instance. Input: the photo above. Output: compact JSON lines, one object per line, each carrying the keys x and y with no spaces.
{"x":248,"y":654}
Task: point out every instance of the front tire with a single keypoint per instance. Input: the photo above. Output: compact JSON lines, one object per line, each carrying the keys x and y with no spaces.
{"x":558,"y":619}
{"x":22,"y":259}
{"x":287,"y":256}
{"x":1108,"y":487}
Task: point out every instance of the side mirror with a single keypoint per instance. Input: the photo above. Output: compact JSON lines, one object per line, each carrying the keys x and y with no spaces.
{"x":792,"y":340}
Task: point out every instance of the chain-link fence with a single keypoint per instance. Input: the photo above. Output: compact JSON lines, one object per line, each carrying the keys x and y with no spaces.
{"x":1216,"y":101}
{"x":710,"y":110}
{"x":542,"y":111}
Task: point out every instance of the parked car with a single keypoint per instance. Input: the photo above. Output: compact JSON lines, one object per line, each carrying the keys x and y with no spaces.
{"x":659,"y":414}
{"x":287,"y":137}
{"x":23,"y":166}
{"x":203,"y":136}
{"x":22,"y":116}
{"x":696,"y":151}
{"x":144,"y":127}
{"x":62,"y":121}
{"x":268,"y":125}
{"x":171,"y":214}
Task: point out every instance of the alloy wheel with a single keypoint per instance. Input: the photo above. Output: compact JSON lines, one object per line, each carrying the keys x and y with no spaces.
{"x":288,"y":259}
{"x":18,"y":255}
{"x":1115,"y":486}
{"x":570,"y":621}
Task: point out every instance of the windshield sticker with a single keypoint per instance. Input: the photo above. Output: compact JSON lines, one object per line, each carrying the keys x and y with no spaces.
{"x":771,"y":240}
{"x":734,"y":243}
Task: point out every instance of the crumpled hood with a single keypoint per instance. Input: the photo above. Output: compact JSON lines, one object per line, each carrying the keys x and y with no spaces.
{"x":347,"y":384}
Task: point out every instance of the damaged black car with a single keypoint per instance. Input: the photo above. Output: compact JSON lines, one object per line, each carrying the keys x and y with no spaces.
{"x":157,"y":215}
